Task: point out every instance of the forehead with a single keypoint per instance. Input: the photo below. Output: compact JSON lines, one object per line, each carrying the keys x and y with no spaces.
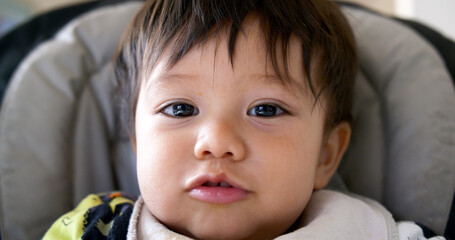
{"x":250,"y":60}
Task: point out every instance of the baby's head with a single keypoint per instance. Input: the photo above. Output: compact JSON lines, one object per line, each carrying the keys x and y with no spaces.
{"x":238,"y":110}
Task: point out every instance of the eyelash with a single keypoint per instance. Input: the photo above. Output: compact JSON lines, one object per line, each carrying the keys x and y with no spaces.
{"x":187,"y":107}
{"x":276,"y":110}
{"x":193,"y":111}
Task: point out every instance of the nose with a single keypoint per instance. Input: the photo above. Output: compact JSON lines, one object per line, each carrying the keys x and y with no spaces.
{"x":219,"y":140}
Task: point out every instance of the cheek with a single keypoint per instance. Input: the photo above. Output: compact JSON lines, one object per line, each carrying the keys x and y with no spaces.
{"x":290,"y":151}
{"x":286,"y":168}
{"x":162,"y":154}
{"x":161,"y":163}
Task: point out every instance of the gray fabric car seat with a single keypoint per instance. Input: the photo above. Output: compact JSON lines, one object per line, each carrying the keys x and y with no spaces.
{"x":402,"y":150}
{"x":57,"y":130}
{"x":59,"y":134}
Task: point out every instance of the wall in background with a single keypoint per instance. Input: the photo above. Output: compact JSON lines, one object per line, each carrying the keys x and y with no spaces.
{"x":383,"y":6}
{"x":435,"y":13}
{"x":438,"y":14}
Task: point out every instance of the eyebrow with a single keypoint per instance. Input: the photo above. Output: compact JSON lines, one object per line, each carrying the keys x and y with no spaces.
{"x":166,"y":79}
{"x":266,"y":78}
{"x":272,"y":79}
{"x":289,"y":85}
{"x":177,"y":77}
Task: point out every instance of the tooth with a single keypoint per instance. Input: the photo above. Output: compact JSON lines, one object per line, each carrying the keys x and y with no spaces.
{"x":225,"y":184}
{"x":211,"y":184}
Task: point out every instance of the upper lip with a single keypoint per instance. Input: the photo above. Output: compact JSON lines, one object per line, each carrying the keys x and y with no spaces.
{"x":206,"y":178}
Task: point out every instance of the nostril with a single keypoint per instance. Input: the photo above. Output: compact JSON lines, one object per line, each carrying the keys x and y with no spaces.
{"x":224,"y":155}
{"x":216,"y":147}
{"x":205,"y":153}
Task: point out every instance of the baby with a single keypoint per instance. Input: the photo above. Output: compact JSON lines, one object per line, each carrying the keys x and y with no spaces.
{"x":241,"y":110}
{"x":239,"y":113}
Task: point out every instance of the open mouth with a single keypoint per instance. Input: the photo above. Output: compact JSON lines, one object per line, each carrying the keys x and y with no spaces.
{"x":216,"y":190}
{"x":219,"y":184}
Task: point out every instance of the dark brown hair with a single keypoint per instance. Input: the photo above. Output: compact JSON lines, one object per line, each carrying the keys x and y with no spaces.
{"x":329,"y":52}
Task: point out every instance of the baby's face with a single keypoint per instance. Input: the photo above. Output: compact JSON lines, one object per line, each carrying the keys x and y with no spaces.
{"x":227,"y":152}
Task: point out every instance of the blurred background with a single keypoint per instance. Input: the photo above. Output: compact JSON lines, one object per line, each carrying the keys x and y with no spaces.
{"x":435,"y":13}
{"x":438,"y":14}
{"x":14,"y":12}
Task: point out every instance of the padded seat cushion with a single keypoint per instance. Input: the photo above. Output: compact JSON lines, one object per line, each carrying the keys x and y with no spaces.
{"x":403,"y":144}
{"x":57,"y":124}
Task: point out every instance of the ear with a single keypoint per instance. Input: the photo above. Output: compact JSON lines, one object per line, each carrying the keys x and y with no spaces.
{"x":133,"y":143}
{"x":332,"y":151}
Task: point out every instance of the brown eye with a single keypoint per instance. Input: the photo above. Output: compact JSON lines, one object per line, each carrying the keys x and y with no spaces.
{"x":265,"y":110}
{"x":180,"y":110}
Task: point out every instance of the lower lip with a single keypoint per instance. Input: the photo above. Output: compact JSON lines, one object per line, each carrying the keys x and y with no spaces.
{"x":218,"y":195}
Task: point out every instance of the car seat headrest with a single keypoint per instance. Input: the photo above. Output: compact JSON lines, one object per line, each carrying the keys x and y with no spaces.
{"x":403,"y":140}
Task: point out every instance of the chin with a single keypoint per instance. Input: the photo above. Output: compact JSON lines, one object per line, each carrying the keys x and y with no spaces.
{"x":221,"y":236}
{"x":229,"y":233}
{"x":221,"y":233}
